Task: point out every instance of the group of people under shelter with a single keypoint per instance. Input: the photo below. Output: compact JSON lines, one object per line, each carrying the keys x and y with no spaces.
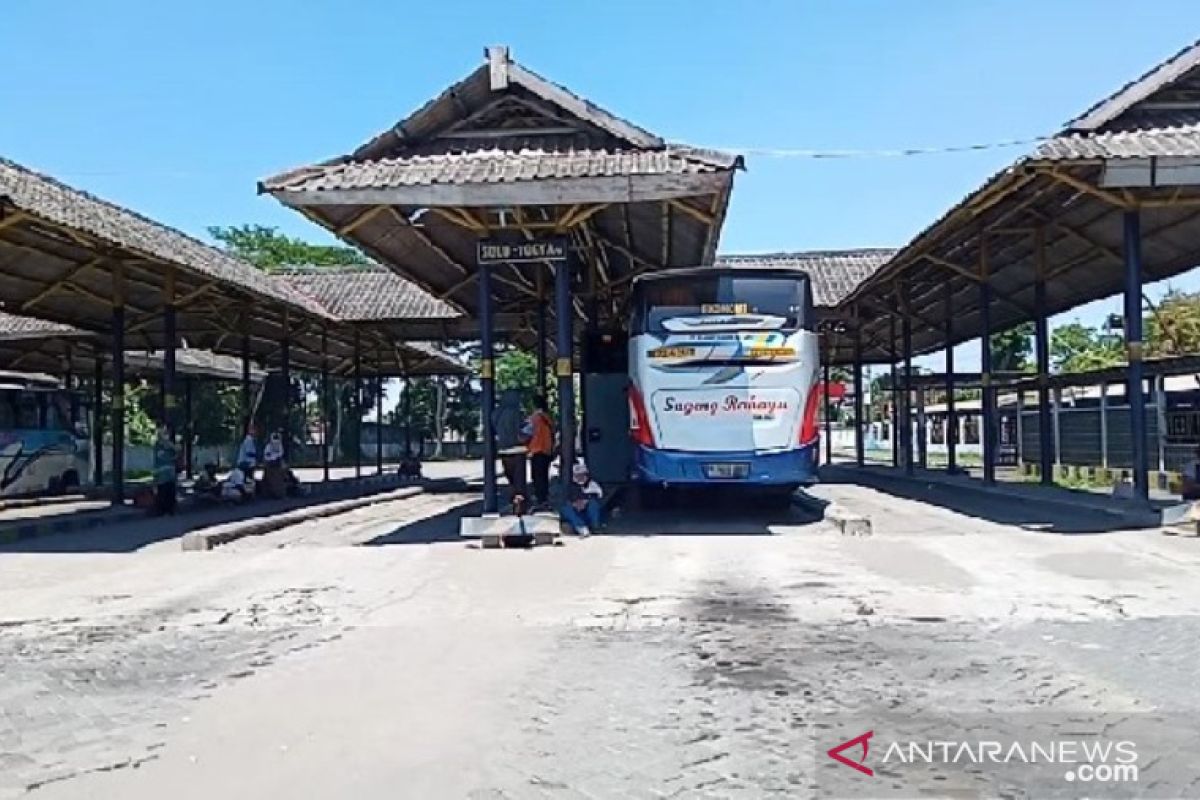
{"x":239,"y":485}
{"x":527,"y":441}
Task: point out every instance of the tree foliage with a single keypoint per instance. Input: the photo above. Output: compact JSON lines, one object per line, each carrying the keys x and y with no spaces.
{"x":1076,"y":347}
{"x":268,"y":249}
{"x":1173,"y":327}
{"x":1011,"y":349}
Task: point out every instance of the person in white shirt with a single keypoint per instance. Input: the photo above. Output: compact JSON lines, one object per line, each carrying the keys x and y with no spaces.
{"x":238,"y":486}
{"x":248,"y":452}
{"x":582,"y":509}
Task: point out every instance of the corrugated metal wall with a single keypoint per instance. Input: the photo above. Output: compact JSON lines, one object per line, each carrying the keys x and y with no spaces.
{"x":1080,"y":439}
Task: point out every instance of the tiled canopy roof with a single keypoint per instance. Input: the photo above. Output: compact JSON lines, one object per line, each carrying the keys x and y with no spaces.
{"x":834,"y":273}
{"x":361,"y":294}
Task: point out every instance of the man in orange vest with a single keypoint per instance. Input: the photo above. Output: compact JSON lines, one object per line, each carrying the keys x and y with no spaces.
{"x":541,"y":450}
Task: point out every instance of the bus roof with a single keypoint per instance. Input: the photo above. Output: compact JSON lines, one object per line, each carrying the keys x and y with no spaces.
{"x":28,"y":381}
{"x":721,"y":270}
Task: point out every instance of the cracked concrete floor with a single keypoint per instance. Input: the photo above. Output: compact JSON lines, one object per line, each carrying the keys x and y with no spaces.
{"x":373,"y":654}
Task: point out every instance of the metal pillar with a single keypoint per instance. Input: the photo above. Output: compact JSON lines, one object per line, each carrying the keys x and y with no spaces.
{"x":540,"y":332}
{"x":189,"y":437}
{"x":907,"y":441}
{"x":247,"y":410}
{"x":922,"y":430}
{"x":564,"y":315}
{"x":894,"y":391}
{"x":859,"y":443}
{"x":1055,"y":409}
{"x":1133,"y":351}
{"x":327,"y":400}
{"x":1042,"y":347}
{"x":285,"y":377}
{"x":378,"y":422}
{"x":987,"y":427}
{"x":358,"y":404}
{"x":407,"y":416}
{"x":1020,"y":428}
{"x":1160,"y":419}
{"x":828,"y":415}
{"x":118,"y":403}
{"x":98,"y":420}
{"x":1103,"y":425}
{"x":951,"y":416}
{"x":170,"y":339}
{"x":487,"y":385}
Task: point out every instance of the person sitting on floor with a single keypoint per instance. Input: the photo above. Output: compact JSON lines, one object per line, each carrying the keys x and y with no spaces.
{"x":582,"y":509}
{"x":238,"y":486}
{"x":410,"y":468}
{"x":208,"y":485}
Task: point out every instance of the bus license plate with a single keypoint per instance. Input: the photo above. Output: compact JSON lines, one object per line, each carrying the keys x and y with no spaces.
{"x":726,"y":470}
{"x":672,"y":352}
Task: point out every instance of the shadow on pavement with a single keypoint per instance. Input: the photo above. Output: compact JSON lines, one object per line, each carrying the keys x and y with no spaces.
{"x":1016,"y":511}
{"x":712,"y":512}
{"x":437,"y":529}
{"x":128,"y":535}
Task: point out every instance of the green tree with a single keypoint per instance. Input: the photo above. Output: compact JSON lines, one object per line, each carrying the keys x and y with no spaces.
{"x":1173,"y":326}
{"x":1076,"y":347}
{"x":1012,"y":348}
{"x":268,"y":249}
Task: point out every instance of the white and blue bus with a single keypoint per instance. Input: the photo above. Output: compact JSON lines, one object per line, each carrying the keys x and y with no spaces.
{"x":41,"y":451}
{"x":723,"y":370}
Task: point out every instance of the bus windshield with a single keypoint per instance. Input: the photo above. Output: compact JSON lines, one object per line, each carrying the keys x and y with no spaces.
{"x":724,"y":301}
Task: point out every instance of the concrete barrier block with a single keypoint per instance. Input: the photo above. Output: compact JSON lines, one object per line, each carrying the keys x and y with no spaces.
{"x":848,"y":522}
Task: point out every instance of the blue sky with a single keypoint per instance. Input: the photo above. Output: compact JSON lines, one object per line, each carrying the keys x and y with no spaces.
{"x":176,"y":109}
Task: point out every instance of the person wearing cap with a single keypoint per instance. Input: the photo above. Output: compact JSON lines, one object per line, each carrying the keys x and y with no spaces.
{"x":582,"y":509}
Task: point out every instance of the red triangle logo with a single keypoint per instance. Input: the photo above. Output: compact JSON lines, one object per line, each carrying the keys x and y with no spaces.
{"x":862,"y":740}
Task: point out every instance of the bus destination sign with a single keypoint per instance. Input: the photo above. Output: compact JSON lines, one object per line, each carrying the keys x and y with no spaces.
{"x":553,"y":249}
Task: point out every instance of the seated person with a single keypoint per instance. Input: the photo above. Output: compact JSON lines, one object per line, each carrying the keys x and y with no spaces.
{"x":275,"y":475}
{"x":238,"y":486}
{"x":582,"y":509}
{"x":410,"y":468}
{"x":208,"y":485}
{"x":1190,"y":474}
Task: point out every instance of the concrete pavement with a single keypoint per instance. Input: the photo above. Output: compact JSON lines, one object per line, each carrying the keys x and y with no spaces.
{"x":373,"y":654}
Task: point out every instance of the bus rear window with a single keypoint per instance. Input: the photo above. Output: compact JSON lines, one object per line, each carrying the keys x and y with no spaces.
{"x":785,"y":297}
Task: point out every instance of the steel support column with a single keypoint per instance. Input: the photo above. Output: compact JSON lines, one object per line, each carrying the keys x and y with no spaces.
{"x":358,"y":404}
{"x":540,"y":335}
{"x":407,"y":416}
{"x":894,"y":391}
{"x":564,"y":369}
{"x":327,"y":400}
{"x":828,"y":414}
{"x":987,"y":427}
{"x":922,"y":435}
{"x":189,"y":437}
{"x":1133,"y":351}
{"x":378,"y":421}
{"x":247,"y":410}
{"x":98,"y":420}
{"x":487,"y":385}
{"x":951,"y":417}
{"x":118,"y":404}
{"x":1103,"y":426}
{"x":859,"y":443}
{"x":1042,"y":348}
{"x":907,"y":441}
{"x":1160,"y":419}
{"x":170,"y":342}
{"x":285,"y":377}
